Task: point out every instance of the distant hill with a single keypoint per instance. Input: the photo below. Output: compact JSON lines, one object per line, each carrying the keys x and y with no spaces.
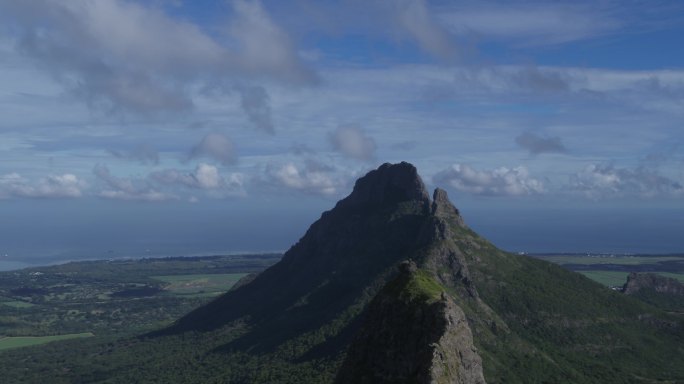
{"x":336,"y":306}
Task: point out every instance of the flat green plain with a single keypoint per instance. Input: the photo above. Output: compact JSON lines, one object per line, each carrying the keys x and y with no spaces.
{"x":200,"y":284}
{"x":25,"y":341}
{"x":605,"y":259}
{"x":609,"y":278}
{"x":17,"y":304}
{"x":678,"y":276}
{"x":612,"y":270}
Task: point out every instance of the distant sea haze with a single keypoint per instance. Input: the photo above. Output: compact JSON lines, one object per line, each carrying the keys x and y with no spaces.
{"x":11,"y":265}
{"x":64,"y":232}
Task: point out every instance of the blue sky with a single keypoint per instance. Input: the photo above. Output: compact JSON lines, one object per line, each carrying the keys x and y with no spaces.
{"x":159,"y":127}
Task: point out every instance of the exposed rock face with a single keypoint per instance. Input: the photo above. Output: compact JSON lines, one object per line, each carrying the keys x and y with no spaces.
{"x":413,"y":333}
{"x":652,"y":282}
{"x":390,"y":183}
{"x":442,"y":207}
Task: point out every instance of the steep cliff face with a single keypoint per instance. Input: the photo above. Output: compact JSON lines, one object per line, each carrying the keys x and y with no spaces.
{"x":652,"y":282}
{"x":663,"y":292}
{"x":413,"y":332}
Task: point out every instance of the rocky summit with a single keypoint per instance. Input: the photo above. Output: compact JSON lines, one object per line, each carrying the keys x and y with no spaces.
{"x":345,"y":304}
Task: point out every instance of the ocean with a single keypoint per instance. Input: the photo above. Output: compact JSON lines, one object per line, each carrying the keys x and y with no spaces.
{"x":6,"y":265}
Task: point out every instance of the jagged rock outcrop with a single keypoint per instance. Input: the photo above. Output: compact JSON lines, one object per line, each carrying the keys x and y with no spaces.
{"x":442,"y":207}
{"x":652,"y":282}
{"x":413,"y":333}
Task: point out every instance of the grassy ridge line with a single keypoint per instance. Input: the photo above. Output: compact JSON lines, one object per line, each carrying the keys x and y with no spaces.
{"x":25,"y":341}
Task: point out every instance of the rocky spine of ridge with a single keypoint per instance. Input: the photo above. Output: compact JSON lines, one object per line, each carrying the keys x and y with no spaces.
{"x":413,"y":332}
{"x":637,"y":282}
{"x":341,"y":261}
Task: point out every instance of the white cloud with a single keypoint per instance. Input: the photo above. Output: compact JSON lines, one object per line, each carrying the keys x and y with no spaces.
{"x":417,"y":20}
{"x":145,"y":154}
{"x":353,"y":142}
{"x":311,"y":178}
{"x":513,"y":79}
{"x":605,"y":180}
{"x":207,"y":176}
{"x":150,"y":195}
{"x":537,"y":144}
{"x":396,"y":22}
{"x":123,"y":55}
{"x":502,"y":181}
{"x":255,"y":102}
{"x":564,"y":87}
{"x":216,"y":146}
{"x":264,"y":48}
{"x":126,"y":188}
{"x":204,"y":177}
{"x":53,"y":186}
{"x":531,"y":23}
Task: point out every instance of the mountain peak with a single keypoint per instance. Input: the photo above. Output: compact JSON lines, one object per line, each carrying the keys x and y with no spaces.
{"x":337,"y":305}
{"x":442,"y":207}
{"x":390,"y":183}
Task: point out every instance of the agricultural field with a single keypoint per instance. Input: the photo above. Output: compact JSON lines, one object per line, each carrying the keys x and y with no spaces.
{"x":112,"y":298}
{"x":17,"y":304}
{"x":612,"y":270}
{"x":25,"y":341}
{"x":200,"y":285}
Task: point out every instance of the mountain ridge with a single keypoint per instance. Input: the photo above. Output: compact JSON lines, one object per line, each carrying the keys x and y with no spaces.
{"x":530,"y":320}
{"x":413,"y":333}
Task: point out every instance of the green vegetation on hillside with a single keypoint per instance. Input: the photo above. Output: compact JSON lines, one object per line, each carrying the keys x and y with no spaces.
{"x":571,"y":329}
{"x":557,"y":322}
{"x":612,"y":270}
{"x":115,"y":297}
{"x":419,"y":286}
{"x":200,"y":284}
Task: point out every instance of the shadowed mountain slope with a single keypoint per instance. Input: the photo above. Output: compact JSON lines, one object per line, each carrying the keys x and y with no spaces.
{"x":337,"y":266}
{"x":531,"y":321}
